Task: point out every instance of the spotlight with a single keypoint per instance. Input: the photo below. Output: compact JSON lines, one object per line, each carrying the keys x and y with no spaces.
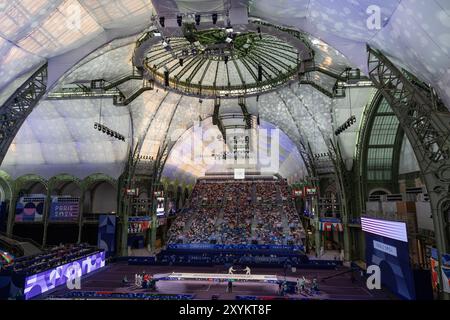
{"x":229,"y":40}
{"x":214,"y":18}
{"x":162,"y":21}
{"x":180,"y":20}
{"x":95,"y":125}
{"x":197,"y":19}
{"x":103,"y":129}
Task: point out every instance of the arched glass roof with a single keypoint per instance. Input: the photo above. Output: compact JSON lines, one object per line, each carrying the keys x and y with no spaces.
{"x":382,"y":143}
{"x":99,"y":45}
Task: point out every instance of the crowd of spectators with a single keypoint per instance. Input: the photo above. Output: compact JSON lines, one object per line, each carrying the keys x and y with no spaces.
{"x":235,"y":227}
{"x":202,"y":229}
{"x":244,"y":212}
{"x":51,"y":258}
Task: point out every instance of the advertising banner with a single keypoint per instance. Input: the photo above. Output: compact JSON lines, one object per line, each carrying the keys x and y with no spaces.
{"x":171,"y":210}
{"x":138,"y":224}
{"x":387,"y":248}
{"x":65,"y":209}
{"x":107,"y":234}
{"x":30,"y":209}
{"x":160,"y":206}
{"x":434,"y":265}
{"x":50,"y":279}
{"x":446,"y":272}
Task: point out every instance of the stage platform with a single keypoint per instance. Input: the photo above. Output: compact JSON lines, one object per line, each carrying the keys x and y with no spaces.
{"x":218,"y":277}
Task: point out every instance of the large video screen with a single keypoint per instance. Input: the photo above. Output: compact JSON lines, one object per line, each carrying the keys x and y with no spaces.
{"x":160,"y":206}
{"x":30,"y":209}
{"x":387,"y":247}
{"x":171,"y":208}
{"x":138,"y":224}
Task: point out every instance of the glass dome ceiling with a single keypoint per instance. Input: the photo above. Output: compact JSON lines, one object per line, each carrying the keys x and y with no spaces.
{"x":219,"y":63}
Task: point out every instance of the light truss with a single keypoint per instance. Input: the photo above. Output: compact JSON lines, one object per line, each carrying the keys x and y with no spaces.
{"x":17,"y":108}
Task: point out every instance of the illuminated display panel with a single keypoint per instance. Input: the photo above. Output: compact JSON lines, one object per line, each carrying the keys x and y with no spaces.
{"x":389,"y":229}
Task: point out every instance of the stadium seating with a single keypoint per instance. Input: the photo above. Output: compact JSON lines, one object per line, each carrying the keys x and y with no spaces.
{"x":54,"y":257}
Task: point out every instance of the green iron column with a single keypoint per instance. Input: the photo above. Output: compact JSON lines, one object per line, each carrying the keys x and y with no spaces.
{"x":48,"y":200}
{"x":80,"y":215}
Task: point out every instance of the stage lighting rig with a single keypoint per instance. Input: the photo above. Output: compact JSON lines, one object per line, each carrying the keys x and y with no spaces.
{"x":347,"y":124}
{"x":323,"y":155}
{"x":108,"y":131}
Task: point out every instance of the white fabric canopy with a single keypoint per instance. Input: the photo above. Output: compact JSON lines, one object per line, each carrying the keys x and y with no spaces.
{"x":59,"y":136}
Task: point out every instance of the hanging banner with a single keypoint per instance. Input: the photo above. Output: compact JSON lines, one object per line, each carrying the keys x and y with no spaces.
{"x":65,"y":209}
{"x":310,"y":191}
{"x":30,"y":209}
{"x":445,"y":269}
{"x":107,"y":234}
{"x":139,"y":224}
{"x":330,"y":224}
{"x":434,"y":264}
{"x":171,"y":208}
{"x":160,"y":211}
{"x":297,"y":193}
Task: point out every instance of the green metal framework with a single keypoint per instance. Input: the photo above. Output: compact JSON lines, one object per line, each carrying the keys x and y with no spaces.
{"x":380,"y":143}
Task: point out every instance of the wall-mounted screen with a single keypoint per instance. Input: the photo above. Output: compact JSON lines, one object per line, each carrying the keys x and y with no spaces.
{"x":390,"y":229}
{"x":160,"y":206}
{"x":387,"y":247}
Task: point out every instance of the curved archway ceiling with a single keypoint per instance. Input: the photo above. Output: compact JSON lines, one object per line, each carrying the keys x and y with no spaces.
{"x":32,"y":31}
{"x":208,"y":71}
{"x":157,"y":117}
{"x":415,"y":34}
{"x":184,"y":166}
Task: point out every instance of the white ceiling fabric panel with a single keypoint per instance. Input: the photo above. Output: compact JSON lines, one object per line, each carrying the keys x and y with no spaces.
{"x":415,"y":34}
{"x":108,"y":66}
{"x":59,"y":137}
{"x":32,"y":31}
{"x":353,"y":104}
{"x":158,"y":128}
{"x":119,"y":13}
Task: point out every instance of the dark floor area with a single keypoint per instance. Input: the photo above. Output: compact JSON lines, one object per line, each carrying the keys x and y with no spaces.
{"x":340,"y":287}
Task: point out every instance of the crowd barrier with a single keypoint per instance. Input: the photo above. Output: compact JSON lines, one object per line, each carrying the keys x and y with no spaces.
{"x":124,"y":295}
{"x":234,"y":247}
{"x":193,"y":258}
